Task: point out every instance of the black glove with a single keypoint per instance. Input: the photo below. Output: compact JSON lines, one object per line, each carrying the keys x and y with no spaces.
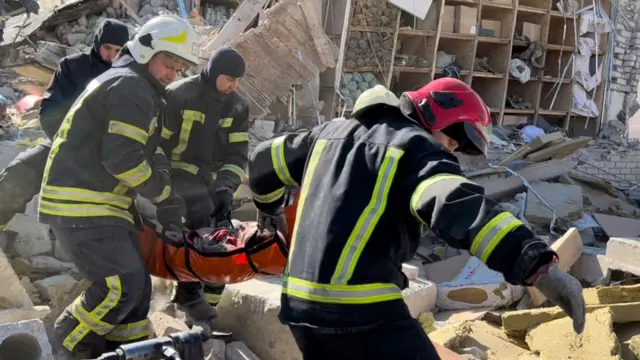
{"x":170,"y":212}
{"x":160,"y":162}
{"x":31,"y":6}
{"x":273,"y":221}
{"x":222,"y":203}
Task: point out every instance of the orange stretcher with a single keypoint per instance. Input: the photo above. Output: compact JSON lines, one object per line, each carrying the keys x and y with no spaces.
{"x":222,"y":256}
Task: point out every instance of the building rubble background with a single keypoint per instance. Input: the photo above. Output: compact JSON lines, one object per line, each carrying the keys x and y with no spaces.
{"x":580,"y":194}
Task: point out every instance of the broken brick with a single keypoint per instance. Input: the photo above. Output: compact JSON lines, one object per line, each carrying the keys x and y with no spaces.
{"x":603,"y":295}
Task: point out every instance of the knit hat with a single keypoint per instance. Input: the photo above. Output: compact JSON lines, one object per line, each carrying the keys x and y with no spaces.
{"x":111,"y":31}
{"x":223,"y":61}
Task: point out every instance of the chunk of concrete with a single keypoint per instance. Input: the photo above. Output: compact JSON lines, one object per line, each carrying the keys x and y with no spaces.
{"x":214,"y":349}
{"x":605,"y":295}
{"x":527,"y":319}
{"x":410,"y":271}
{"x":623,"y":254}
{"x":628,"y":336}
{"x":25,"y":340}
{"x":237,"y":350}
{"x":33,"y":236}
{"x":50,"y":265}
{"x":566,"y":201}
{"x":54,"y":286}
{"x":10,"y":287}
{"x":556,"y":340}
{"x":9,"y":316}
{"x":250,"y":310}
{"x":591,"y":267}
{"x":164,"y":324}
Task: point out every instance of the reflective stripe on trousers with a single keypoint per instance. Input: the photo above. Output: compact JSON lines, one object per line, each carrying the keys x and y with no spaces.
{"x":339,"y":291}
{"x":130,"y":332}
{"x":92,"y":321}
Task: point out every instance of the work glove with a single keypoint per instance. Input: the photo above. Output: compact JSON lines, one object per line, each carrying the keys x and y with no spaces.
{"x":170,"y":212}
{"x":159,"y":162}
{"x":563,"y":290}
{"x":222,"y":203}
{"x":273,"y":221}
{"x":31,"y":6}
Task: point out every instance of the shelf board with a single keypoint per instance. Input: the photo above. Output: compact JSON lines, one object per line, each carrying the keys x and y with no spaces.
{"x":556,"y":47}
{"x":552,"y":112}
{"x":416,"y":32}
{"x":364,"y":69}
{"x":489,"y":4}
{"x":372,"y":29}
{"x":462,"y":72}
{"x":488,"y":75}
{"x":495,"y":110}
{"x":531,"y":10}
{"x":490,"y":40}
{"x":411,"y":69}
{"x":461,"y":2}
{"x":454,"y":36}
{"x":555,"y":13}
{"x":553,"y":80}
{"x":509,"y":111}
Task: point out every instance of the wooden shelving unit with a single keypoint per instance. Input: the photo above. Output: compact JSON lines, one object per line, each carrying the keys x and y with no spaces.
{"x":414,"y":38}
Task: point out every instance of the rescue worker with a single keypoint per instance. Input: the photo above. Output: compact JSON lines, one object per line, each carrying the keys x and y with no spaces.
{"x":206,"y":138}
{"x":20,"y":181}
{"x":105,"y":153}
{"x":368,"y":185}
{"x":30,"y":6}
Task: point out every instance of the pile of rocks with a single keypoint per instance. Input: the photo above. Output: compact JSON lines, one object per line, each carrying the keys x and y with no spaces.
{"x":369,"y":49}
{"x":374,"y":13}
{"x":353,"y":84}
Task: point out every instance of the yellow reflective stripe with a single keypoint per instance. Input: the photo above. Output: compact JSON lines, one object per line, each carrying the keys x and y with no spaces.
{"x":166,"y":133}
{"x":268,"y":198}
{"x":306,"y":181}
{"x":492,"y":234}
{"x":129,"y":332}
{"x":279,"y":162}
{"x":137,"y":175}
{"x":188,"y":118}
{"x":417,"y":194}
{"x":120,"y":189}
{"x":128,"y":130}
{"x":214,"y":176}
{"x":82,"y":210}
{"x":181,"y":165}
{"x":159,"y":151}
{"x":165,"y":194}
{"x":225,"y":122}
{"x":92,"y":321}
{"x":84,"y":195}
{"x":176,"y":39}
{"x":233,"y":168}
{"x":369,"y":218}
{"x":212,"y":299}
{"x":340,"y":294}
{"x":3,"y":227}
{"x":238,"y":137}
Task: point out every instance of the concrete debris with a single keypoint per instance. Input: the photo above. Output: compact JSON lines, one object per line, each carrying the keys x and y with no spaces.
{"x":591,"y":267}
{"x":54,"y":286}
{"x":164,"y":324}
{"x":623,"y":254}
{"x":25,"y":340}
{"x":566,"y":201}
{"x":237,"y":350}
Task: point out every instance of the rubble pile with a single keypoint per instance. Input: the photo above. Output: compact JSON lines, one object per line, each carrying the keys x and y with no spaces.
{"x":368,"y":49}
{"x":79,"y":34}
{"x":374,"y":13}
{"x":353,"y":84}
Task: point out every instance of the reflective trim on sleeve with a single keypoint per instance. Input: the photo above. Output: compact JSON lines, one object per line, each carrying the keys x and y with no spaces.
{"x":137,"y":175}
{"x":130,"y":332}
{"x":225,"y":122}
{"x":92,"y":321}
{"x":237,"y":137}
{"x":417,"y":194}
{"x":188,"y":118}
{"x":159,"y":151}
{"x":166,"y":133}
{"x":128,"y":130}
{"x":84,"y":195}
{"x":233,"y":168}
{"x":269,"y":198}
{"x":120,"y":189}
{"x":82,"y":210}
{"x":279,"y":162}
{"x":340,"y":294}
{"x":492,"y":234}
{"x":212,"y":299}
{"x":316,"y":153}
{"x":181,"y":165}
{"x":368,"y":220}
{"x":164,"y":195}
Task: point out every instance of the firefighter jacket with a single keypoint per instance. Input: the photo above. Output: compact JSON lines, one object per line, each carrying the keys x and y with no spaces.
{"x":100,"y":157}
{"x":206,"y":132}
{"x":367,"y":187}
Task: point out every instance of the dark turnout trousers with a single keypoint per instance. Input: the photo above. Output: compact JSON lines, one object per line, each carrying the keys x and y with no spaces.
{"x":114,"y":309}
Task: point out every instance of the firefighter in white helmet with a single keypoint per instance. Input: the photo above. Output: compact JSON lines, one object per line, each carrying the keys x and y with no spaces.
{"x":105,"y":154}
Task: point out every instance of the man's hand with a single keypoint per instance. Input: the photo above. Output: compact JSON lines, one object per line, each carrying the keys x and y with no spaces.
{"x":272,"y":222}
{"x":563,"y":290}
{"x":222,"y":203}
{"x":170,"y":212}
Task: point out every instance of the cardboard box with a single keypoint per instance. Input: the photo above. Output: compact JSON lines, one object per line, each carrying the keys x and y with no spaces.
{"x":448,"y":19}
{"x":494,"y":26}
{"x":466,"y":20}
{"x":532,"y":31}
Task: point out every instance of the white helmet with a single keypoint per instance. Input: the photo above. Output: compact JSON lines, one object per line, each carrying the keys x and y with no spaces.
{"x":168,"y":33}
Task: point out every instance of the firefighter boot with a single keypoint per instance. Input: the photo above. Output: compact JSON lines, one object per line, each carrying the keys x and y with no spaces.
{"x":190,"y":299}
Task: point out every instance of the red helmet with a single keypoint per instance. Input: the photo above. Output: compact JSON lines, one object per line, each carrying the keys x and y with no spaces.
{"x":448,"y":101}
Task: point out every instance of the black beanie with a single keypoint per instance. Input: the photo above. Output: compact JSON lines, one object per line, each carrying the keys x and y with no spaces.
{"x":111,"y":31}
{"x":223,"y":61}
